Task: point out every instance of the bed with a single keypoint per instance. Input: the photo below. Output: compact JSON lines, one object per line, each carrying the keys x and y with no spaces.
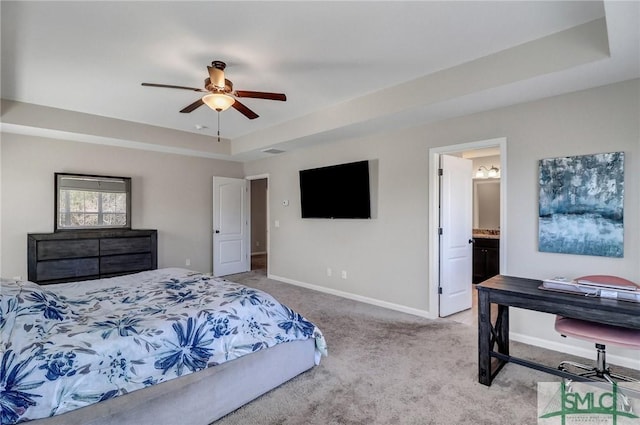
{"x":159,"y":347}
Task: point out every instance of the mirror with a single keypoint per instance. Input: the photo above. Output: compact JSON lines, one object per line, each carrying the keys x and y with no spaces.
{"x":84,"y":201}
{"x":486,"y":204}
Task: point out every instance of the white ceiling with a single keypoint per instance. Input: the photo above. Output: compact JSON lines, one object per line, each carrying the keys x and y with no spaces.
{"x":92,"y":56}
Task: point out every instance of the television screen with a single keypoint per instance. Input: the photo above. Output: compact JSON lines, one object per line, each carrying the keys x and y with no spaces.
{"x":338,"y":191}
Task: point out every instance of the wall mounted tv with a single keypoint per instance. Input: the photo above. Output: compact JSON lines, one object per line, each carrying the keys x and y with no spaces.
{"x":338,"y":191}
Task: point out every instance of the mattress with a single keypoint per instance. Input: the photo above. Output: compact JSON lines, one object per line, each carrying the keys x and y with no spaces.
{"x":202,"y":397}
{"x":72,"y":345}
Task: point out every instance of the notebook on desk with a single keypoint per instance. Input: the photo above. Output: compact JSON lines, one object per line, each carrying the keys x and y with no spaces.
{"x":604,"y":286}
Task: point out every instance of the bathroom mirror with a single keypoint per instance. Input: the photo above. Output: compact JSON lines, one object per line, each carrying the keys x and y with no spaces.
{"x":486,"y":204}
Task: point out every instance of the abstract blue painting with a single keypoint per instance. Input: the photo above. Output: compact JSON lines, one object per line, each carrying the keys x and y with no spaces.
{"x":581,"y":205}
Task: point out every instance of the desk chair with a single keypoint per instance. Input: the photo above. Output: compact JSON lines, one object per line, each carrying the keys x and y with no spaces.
{"x":600,"y":334}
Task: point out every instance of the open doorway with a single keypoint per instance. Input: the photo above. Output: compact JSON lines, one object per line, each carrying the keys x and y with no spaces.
{"x":485,"y":226}
{"x":494,"y":151}
{"x":259,"y":188}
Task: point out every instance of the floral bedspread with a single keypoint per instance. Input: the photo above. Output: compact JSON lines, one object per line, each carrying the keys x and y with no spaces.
{"x":69,"y":345}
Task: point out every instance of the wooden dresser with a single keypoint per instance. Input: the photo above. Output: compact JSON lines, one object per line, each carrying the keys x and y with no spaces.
{"x":74,"y":255}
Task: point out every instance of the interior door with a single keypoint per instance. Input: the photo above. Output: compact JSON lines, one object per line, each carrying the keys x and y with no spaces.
{"x":230,"y":226}
{"x":456,"y":248}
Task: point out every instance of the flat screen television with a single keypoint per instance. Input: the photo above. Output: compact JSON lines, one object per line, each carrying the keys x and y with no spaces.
{"x":337,"y":191}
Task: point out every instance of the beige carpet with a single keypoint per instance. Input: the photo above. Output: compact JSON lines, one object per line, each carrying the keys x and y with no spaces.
{"x":386,"y":367}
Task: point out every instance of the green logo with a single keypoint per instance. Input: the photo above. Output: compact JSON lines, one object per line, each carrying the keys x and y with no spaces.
{"x":589,"y":403}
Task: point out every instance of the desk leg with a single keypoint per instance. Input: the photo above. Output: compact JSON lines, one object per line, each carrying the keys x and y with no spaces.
{"x":484,"y":338}
{"x":491,"y":337}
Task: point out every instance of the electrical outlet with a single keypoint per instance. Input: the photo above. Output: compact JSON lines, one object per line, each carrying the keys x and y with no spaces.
{"x":344,"y":274}
{"x":187,"y":262}
{"x":329,"y":271}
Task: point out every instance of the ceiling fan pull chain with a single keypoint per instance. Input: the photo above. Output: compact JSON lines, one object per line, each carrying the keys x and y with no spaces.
{"x":218,"y":126}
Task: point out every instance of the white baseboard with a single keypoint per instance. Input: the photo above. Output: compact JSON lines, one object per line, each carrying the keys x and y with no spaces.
{"x":258,"y":253}
{"x":366,"y":300}
{"x":631,"y":363}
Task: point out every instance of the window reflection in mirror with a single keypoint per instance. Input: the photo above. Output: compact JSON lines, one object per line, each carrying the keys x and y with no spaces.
{"x":92,"y":202}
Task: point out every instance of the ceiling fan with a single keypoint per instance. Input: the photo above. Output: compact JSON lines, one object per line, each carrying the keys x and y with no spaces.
{"x":220,"y":94}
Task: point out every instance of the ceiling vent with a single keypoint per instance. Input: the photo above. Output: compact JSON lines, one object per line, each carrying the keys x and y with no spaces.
{"x":272,"y":150}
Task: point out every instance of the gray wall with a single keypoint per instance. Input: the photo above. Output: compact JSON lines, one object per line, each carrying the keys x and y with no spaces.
{"x":171,"y":193}
{"x":386,"y":259}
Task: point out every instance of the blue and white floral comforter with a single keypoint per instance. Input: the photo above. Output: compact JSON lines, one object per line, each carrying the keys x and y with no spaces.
{"x":70,"y":345}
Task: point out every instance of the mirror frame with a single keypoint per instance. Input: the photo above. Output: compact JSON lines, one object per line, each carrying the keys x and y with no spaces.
{"x":56,"y":206}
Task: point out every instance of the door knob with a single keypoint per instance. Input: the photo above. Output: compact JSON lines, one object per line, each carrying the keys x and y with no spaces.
{"x":217,"y":231}
{"x":471,"y":241}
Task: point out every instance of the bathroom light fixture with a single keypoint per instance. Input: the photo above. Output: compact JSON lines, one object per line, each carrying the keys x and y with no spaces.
{"x":484,"y":172}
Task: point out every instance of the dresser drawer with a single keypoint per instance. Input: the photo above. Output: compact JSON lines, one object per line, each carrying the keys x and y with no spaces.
{"x":125,"y":263}
{"x":113,"y":246}
{"x":48,"y":250}
{"x":68,"y":269}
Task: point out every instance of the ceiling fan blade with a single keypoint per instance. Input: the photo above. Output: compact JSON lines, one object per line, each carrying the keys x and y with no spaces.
{"x":261,"y":95}
{"x":244,"y":110}
{"x":172,"y":87}
{"x":195,"y":105}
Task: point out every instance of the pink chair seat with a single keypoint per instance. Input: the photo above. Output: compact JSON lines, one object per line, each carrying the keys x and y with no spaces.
{"x":598,"y":333}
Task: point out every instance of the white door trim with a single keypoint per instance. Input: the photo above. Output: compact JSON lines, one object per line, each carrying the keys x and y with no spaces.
{"x":434,"y":195}
{"x":268,"y":247}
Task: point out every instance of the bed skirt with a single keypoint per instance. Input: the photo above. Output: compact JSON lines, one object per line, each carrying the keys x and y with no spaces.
{"x":201,"y":397}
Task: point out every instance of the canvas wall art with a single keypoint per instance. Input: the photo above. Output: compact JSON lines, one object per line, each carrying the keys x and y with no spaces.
{"x":581,"y":205}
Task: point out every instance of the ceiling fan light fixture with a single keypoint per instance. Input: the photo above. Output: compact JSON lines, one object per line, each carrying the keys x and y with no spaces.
{"x":218,"y":101}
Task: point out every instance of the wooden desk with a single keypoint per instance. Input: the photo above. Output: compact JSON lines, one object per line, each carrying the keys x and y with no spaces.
{"x":508,"y":291}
